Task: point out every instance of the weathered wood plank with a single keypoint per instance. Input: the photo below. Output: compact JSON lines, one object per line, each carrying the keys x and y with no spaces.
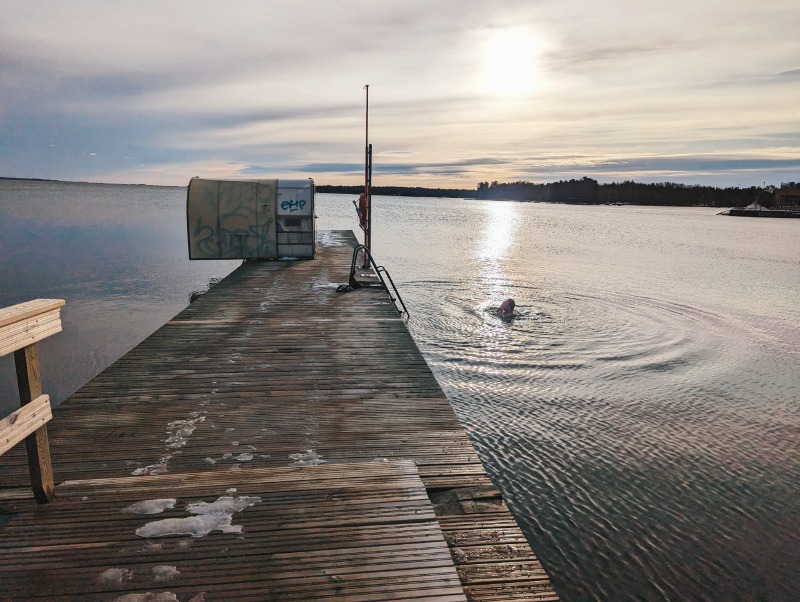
{"x":26,"y":323}
{"x":22,"y":311}
{"x":352,"y":531}
{"x":18,"y":425}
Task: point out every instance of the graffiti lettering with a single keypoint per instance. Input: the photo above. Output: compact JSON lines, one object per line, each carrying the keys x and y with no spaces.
{"x":292,"y":206}
{"x":206,"y":241}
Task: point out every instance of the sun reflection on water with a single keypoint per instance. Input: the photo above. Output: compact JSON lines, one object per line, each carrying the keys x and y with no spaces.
{"x":499,"y":233}
{"x":500,"y":225}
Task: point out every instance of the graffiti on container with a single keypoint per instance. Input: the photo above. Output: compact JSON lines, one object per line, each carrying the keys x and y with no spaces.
{"x":254,"y":241}
{"x":231,"y":220}
{"x":292,"y":206}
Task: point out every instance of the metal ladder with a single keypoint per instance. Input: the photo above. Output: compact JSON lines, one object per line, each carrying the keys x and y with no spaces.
{"x":383,"y":276}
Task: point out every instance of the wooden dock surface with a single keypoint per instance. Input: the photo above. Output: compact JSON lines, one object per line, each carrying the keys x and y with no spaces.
{"x":303,"y":426}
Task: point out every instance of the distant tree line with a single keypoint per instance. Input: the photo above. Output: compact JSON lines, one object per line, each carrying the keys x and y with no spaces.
{"x":587,"y":191}
{"x":461,"y":193}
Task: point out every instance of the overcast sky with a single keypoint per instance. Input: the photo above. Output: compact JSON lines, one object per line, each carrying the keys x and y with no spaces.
{"x":461,"y":91}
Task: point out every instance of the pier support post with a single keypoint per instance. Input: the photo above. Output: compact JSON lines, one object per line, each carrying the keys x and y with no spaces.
{"x":29,"y":385}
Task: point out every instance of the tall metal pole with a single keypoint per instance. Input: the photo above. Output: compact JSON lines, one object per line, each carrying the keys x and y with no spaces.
{"x":367,"y":183}
{"x":369,"y":197}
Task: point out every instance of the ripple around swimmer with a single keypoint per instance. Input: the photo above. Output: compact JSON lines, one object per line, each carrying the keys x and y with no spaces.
{"x":613,"y":337}
{"x":603,"y":421}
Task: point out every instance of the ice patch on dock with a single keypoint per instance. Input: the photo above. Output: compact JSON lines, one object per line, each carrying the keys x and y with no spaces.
{"x":331,"y":238}
{"x":161,"y":597}
{"x":115,"y":576}
{"x":319,"y":285}
{"x":208,"y":517}
{"x":310,"y":458}
{"x":165,"y":572}
{"x":151,"y":506}
{"x":239,"y":456}
{"x":159,"y":467}
{"x":149,"y":597}
{"x":181,"y":430}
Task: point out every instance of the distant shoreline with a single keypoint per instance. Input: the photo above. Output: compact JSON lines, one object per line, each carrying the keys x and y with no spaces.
{"x":585,"y":191}
{"x":12,"y":179}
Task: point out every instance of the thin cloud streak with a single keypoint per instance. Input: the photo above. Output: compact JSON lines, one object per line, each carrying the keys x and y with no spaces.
{"x":698,"y":92}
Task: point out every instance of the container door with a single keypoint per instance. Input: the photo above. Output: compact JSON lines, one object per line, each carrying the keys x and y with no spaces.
{"x":295,"y":218}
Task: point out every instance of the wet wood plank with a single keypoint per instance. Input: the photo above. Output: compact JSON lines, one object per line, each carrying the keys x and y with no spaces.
{"x":332,"y":531}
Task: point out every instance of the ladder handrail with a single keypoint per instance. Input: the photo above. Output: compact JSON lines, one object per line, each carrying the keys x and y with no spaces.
{"x":380,"y":271}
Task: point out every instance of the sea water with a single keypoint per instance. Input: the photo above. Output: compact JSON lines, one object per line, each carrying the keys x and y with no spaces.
{"x":641,"y":414}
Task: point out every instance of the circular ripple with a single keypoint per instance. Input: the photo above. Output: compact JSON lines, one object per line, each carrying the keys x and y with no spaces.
{"x":605,"y":421}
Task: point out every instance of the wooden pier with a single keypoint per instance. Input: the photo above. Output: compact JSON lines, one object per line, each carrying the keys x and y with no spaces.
{"x":276,"y":440}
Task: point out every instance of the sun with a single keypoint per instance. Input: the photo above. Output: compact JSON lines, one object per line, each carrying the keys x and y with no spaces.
{"x":511,"y":63}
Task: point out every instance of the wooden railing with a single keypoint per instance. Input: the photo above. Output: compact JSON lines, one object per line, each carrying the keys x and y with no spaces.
{"x":21,"y":327}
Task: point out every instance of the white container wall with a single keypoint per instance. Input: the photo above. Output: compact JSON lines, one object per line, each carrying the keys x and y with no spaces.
{"x":250,"y":219}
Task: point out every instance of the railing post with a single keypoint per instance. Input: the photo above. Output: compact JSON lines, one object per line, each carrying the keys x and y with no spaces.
{"x":29,"y":384}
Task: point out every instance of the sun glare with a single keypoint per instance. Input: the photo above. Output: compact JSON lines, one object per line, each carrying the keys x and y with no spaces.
{"x":511,"y":63}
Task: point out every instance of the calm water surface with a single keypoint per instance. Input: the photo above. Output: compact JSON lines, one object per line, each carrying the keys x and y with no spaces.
{"x":641,"y":415}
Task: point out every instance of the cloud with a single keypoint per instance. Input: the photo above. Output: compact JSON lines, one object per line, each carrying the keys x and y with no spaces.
{"x":713,"y":170}
{"x":792,"y":74}
{"x":349,"y":168}
{"x":277,"y":87}
{"x":589,"y":56}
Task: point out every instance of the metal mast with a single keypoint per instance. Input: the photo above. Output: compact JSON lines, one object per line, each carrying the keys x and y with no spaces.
{"x":367,"y":182}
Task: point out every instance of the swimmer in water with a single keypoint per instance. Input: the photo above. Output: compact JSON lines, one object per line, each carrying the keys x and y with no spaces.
{"x":506,"y":309}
